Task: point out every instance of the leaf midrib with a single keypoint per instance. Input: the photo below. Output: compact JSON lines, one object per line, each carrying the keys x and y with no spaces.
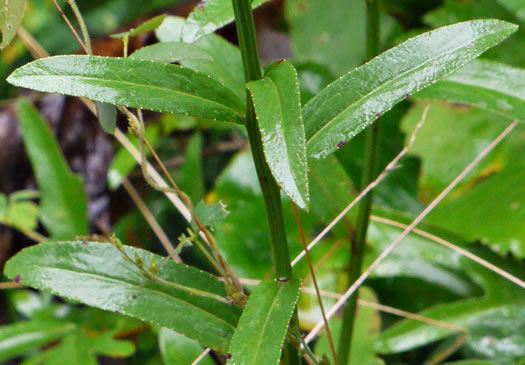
{"x":99,"y":277}
{"x":383,"y":85}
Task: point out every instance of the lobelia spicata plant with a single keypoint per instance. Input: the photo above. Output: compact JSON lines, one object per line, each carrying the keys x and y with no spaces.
{"x":196,"y":73}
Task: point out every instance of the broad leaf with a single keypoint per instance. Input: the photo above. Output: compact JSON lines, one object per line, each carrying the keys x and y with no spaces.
{"x":11,"y":14}
{"x":176,"y":349}
{"x":132,"y":83}
{"x":170,"y":52}
{"x":485,"y":84}
{"x":502,"y":299}
{"x":145,"y":27}
{"x":97,"y":274}
{"x":63,"y":201}
{"x":225,"y":59}
{"x":209,"y":16}
{"x":17,"y":339}
{"x":353,"y":102}
{"x":451,"y":138}
{"x":278,"y":109}
{"x":264,"y":322}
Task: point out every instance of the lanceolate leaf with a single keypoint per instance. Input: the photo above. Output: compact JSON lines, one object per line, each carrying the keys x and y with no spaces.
{"x":132,"y":83}
{"x":11,"y":14}
{"x":278,"y":108}
{"x":146,"y":27}
{"x":17,"y":339}
{"x":63,"y":201}
{"x":97,"y":274}
{"x":262,"y":328}
{"x":209,"y":16}
{"x":485,"y":84}
{"x":354,"y":101}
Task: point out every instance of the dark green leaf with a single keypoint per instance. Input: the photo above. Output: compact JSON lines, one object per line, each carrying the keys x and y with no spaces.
{"x":11,"y":14}
{"x":146,"y":27}
{"x":107,"y":117}
{"x":17,"y":339}
{"x":485,"y":84}
{"x":515,"y":6}
{"x":176,"y":349}
{"x":170,"y":52}
{"x":353,"y":102}
{"x":264,"y":322}
{"x":97,"y":274}
{"x":277,"y":106}
{"x":132,"y":83}
{"x":209,"y":16}
{"x":63,"y":201}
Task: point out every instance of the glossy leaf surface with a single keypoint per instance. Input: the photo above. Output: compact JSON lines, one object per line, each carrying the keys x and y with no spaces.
{"x":170,"y":52}
{"x":353,"y":102}
{"x":11,"y":14}
{"x":264,"y":322}
{"x":132,"y":83}
{"x":485,"y":84}
{"x":97,"y":274}
{"x":176,"y":349}
{"x":63,"y":216}
{"x":209,"y":16}
{"x":278,"y":110}
{"x":17,"y":339}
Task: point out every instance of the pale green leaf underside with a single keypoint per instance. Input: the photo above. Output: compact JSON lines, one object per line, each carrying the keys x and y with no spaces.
{"x":263,"y":325}
{"x":133,"y":83}
{"x":63,"y":201}
{"x":208,"y":17}
{"x":96,"y":274}
{"x":354,"y":101}
{"x":278,"y":109}
{"x":485,"y":84}
{"x":11,"y":14}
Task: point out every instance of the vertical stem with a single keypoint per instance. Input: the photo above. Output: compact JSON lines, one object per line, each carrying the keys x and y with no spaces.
{"x":272,"y":198}
{"x":368,"y":175}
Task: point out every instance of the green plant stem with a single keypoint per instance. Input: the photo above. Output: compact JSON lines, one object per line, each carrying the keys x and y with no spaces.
{"x":252,"y":71}
{"x":363,"y":216}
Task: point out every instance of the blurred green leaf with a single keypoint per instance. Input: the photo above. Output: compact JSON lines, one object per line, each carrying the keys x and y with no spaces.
{"x":486,"y":85}
{"x":367,"y":327}
{"x":22,"y":195}
{"x":192,"y":174}
{"x":211,"y":215}
{"x":176,"y":349}
{"x":451,"y":138}
{"x":472,"y":362}
{"x":23,"y":215}
{"x":132,"y":83}
{"x":331,"y":33}
{"x":19,"y":338}
{"x":264,"y":323}
{"x":356,"y":100}
{"x":107,"y":116}
{"x":11,"y":14}
{"x":515,"y":6}
{"x":3,"y":207}
{"x":145,"y":27}
{"x":277,"y":105}
{"x":209,"y":16}
{"x":98,"y":275}
{"x":170,"y":52}
{"x":63,"y":201}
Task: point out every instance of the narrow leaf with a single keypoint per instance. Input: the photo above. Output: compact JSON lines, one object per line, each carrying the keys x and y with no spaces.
{"x":63,"y":201}
{"x":262,"y":328}
{"x":277,"y":106}
{"x":11,"y":14}
{"x":485,"y":84}
{"x":354,"y":101}
{"x":192,"y":171}
{"x":209,"y":16}
{"x":107,"y":117}
{"x":146,"y":27}
{"x":96,"y":274}
{"x":170,"y":52}
{"x":19,"y":338}
{"x":132,"y":83}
